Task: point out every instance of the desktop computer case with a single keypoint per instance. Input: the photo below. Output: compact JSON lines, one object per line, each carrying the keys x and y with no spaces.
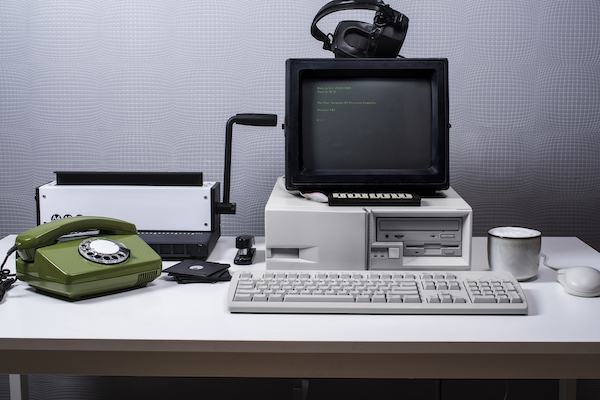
{"x":304,"y":235}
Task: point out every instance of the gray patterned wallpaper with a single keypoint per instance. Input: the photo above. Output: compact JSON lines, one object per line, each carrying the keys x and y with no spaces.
{"x":147,"y":85}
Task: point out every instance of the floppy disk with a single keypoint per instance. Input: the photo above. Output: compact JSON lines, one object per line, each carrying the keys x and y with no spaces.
{"x":198,"y":271}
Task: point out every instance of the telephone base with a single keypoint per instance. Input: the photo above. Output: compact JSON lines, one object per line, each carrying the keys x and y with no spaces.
{"x":60,"y":268}
{"x":88,"y":289}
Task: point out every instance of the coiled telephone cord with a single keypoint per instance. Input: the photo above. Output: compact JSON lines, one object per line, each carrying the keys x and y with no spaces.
{"x":6,"y":278}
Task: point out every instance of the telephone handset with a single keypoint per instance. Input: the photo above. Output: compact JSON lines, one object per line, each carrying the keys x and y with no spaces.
{"x":111,"y":258}
{"x":47,"y":234}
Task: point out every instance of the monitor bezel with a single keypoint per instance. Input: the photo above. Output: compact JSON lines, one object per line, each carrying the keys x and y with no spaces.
{"x":434,"y":178}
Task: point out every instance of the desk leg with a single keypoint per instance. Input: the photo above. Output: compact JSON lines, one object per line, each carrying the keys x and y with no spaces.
{"x":19,"y":387}
{"x":300,"y":389}
{"x":567,"y":389}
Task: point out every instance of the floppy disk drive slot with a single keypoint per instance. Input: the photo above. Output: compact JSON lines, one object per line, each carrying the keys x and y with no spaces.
{"x":419,"y":237}
{"x":433,"y":249}
{"x":418,"y":224}
{"x":422,"y":236}
{"x":418,"y":230}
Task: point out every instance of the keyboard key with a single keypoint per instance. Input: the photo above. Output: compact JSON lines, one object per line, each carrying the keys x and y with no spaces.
{"x":243,"y":297}
{"x":259,"y":297}
{"x":319,"y":298}
{"x":484,"y":299}
{"x":378,"y":298}
{"x":446,"y":298}
{"x":394,"y":298}
{"x":412,"y":299}
{"x":363,"y":298}
{"x":276,"y":297}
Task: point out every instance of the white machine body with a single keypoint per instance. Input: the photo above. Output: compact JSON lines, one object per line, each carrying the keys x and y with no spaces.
{"x":306,"y":235}
{"x":150,"y":208}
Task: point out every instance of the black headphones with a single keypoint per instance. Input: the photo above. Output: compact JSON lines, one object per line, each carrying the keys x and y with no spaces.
{"x":355,"y":39}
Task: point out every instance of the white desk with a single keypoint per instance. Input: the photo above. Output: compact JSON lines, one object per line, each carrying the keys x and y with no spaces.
{"x":168,"y":329}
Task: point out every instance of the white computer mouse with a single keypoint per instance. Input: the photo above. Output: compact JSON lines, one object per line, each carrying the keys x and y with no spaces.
{"x":580,"y":281}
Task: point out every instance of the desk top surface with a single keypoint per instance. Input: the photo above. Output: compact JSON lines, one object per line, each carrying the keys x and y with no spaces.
{"x":196,"y":315}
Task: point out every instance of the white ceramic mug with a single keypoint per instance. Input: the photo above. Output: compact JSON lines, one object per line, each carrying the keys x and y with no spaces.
{"x":516,"y":250}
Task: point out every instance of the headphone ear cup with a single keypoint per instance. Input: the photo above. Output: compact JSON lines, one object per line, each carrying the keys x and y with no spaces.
{"x":390,"y":42}
{"x":351,"y":39}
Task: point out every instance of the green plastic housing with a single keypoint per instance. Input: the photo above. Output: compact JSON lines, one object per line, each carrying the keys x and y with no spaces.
{"x":60,"y":269}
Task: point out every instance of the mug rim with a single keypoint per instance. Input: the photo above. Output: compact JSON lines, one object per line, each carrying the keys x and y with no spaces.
{"x":535,"y":233}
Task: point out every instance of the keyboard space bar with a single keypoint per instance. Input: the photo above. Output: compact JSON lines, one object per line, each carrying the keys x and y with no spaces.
{"x":318,"y":298}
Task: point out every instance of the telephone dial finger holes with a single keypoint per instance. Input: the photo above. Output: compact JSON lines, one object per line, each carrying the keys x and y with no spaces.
{"x":103,"y":251}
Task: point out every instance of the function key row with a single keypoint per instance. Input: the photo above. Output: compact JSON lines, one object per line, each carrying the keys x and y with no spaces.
{"x":346,"y":275}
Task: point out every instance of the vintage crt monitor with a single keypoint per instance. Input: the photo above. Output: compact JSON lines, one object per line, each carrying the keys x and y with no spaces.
{"x":367,"y":126}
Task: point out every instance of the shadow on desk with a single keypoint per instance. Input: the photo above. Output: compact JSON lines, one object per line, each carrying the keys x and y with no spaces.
{"x":49,"y":387}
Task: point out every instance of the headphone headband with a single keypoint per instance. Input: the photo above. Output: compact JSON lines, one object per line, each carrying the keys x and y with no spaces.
{"x":339,"y":5}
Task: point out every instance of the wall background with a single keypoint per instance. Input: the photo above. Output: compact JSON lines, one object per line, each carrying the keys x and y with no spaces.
{"x":148,"y":85}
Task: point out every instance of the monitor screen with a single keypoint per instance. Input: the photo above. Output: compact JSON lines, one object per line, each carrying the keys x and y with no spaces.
{"x":367,"y":124}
